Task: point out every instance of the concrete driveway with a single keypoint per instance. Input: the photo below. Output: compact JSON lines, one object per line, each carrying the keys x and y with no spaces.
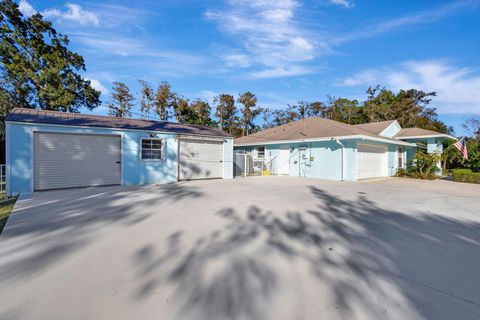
{"x":256,"y":248}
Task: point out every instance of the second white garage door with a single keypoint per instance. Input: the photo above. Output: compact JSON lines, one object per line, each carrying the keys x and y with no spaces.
{"x":372,"y":161}
{"x":200,"y":159}
{"x":75,"y":160}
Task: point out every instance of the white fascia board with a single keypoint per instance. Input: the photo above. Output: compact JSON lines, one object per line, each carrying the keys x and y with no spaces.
{"x":202,"y":137}
{"x":429,"y":136}
{"x":116,"y":129}
{"x":361,"y":137}
{"x":399,"y":142}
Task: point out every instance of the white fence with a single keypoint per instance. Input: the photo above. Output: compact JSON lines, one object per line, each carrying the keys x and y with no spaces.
{"x":246,"y":165}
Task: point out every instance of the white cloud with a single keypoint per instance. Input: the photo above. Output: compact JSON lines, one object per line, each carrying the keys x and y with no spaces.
{"x":345,"y":3}
{"x":207,"y":95}
{"x":281,"y":72}
{"x":457,"y":89}
{"x":26,"y":8}
{"x":97,"y":85}
{"x":271,"y":40}
{"x":237,"y":60}
{"x":142,"y":53}
{"x":74,"y":13}
{"x":412,"y":19}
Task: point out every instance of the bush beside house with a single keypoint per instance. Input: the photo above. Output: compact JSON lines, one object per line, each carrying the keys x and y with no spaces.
{"x":465,"y":175}
{"x":423,"y":166}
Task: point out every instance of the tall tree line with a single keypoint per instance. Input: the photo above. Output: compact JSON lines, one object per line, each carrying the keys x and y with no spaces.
{"x":241,"y":116}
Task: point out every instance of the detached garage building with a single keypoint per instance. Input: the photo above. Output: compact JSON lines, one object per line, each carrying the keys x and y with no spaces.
{"x":48,"y":150}
{"x":326,"y":149}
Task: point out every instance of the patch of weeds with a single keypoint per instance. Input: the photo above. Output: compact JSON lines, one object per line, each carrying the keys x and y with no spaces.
{"x":6,"y":207}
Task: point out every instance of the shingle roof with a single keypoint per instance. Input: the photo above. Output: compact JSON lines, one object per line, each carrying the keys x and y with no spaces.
{"x":413,"y":132}
{"x":375,"y":127}
{"x":308,"y":128}
{"x":86,"y":120}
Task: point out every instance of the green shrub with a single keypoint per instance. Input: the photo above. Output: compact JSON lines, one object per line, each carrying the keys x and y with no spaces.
{"x":424,"y":166}
{"x":401,"y":173}
{"x":465,"y":175}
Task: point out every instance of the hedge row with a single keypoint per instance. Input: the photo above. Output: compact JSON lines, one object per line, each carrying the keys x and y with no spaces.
{"x":465,"y":175}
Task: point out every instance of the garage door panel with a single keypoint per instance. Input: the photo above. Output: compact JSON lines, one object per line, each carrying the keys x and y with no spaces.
{"x":76,"y":160}
{"x":372,"y":161}
{"x":199,"y":159}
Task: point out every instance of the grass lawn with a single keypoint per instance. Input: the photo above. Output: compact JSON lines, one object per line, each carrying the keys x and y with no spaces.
{"x":6,"y":206}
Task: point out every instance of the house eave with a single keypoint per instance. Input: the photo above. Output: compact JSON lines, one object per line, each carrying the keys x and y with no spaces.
{"x":355,"y":137}
{"x":428,"y":136}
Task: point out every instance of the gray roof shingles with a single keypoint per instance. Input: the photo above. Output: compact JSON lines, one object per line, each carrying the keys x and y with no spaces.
{"x":308,"y":128}
{"x":86,"y":120}
{"x":417,"y":132}
{"x":375,"y":127}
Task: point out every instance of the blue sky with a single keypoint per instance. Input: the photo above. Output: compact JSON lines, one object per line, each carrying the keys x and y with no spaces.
{"x":284,"y":51}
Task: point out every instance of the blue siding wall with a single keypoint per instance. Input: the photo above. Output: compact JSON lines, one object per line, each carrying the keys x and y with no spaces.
{"x":19,"y":138}
{"x":318,"y":159}
{"x":323,"y":159}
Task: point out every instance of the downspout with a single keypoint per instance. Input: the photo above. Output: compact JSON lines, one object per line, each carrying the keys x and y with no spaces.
{"x":343,"y":158}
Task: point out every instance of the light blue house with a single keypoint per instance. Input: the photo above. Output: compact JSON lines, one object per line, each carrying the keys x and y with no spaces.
{"x":321,"y":148}
{"x":53,"y":150}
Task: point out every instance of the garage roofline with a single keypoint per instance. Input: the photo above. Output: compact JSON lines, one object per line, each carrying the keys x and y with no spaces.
{"x":69,"y":119}
{"x":117,"y":129}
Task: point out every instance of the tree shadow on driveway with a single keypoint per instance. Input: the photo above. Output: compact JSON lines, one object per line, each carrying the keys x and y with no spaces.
{"x":363,"y":262}
{"x":53,"y":225}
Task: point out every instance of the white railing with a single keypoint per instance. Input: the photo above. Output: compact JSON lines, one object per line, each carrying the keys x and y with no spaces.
{"x":3,"y":178}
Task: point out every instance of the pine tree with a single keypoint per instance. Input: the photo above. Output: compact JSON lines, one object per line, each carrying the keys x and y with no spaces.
{"x":122,"y":101}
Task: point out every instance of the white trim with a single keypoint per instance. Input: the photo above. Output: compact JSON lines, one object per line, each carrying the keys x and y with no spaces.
{"x":32,"y":160}
{"x":7,"y":160}
{"x":393,"y":122}
{"x":162,"y":140}
{"x":118,"y":129}
{"x":202,"y":137}
{"x":356,"y":162}
{"x":343,"y":158}
{"x":178,"y":158}
{"x":122,"y":139}
{"x":428,"y":136}
{"x":223,"y":160}
{"x":362,"y":137}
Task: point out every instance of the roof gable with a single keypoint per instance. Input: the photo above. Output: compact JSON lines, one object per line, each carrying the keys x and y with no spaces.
{"x":412,"y":133}
{"x":84,"y":120}
{"x":376,"y":127}
{"x":391,"y":130}
{"x":308,"y":129}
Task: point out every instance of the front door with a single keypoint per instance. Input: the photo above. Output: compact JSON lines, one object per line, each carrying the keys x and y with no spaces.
{"x":284,"y":161}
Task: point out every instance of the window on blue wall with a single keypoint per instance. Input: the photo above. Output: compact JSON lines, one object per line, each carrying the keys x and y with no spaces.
{"x":261,"y":153}
{"x":152,"y":149}
{"x":401,"y":158}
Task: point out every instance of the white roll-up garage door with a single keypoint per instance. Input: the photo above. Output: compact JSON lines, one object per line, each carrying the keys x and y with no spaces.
{"x":75,"y":160}
{"x":372,"y":161}
{"x":200,"y":159}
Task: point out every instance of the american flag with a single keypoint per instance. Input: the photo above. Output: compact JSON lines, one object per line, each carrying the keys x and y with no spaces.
{"x":461,"y":145}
